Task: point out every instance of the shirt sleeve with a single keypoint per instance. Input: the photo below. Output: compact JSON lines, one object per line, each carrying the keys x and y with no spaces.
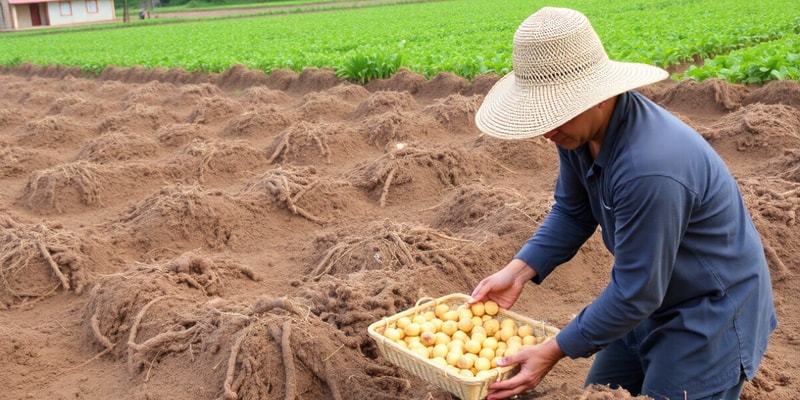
{"x":651,"y":216}
{"x":566,"y":228}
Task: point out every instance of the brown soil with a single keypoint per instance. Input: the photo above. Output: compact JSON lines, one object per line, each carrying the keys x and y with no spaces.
{"x":174,"y":235}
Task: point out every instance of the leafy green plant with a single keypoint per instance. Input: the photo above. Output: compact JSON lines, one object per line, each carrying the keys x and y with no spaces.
{"x":363,"y":68}
{"x":475,"y":38}
{"x":776,"y":60}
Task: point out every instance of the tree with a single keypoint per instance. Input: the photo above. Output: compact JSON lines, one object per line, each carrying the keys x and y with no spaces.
{"x":126,"y":15}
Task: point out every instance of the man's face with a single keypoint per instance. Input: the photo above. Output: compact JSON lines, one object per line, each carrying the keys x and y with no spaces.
{"x":577,"y":131}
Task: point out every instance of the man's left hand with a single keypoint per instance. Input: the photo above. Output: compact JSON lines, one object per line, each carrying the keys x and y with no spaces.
{"x":535,"y":362}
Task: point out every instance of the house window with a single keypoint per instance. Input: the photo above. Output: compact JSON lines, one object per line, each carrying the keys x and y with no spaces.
{"x":65,"y":7}
{"x":91,"y":6}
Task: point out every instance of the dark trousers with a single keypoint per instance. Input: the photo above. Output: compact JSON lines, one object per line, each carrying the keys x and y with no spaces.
{"x":618,"y":365}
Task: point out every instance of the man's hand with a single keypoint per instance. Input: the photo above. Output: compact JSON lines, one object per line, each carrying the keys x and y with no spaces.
{"x":535,"y":362}
{"x":504,"y":286}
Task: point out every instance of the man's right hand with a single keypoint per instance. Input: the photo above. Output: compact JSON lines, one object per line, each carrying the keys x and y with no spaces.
{"x":504,"y":286}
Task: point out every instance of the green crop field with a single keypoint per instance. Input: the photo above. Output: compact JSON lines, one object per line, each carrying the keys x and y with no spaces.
{"x":468,"y":38}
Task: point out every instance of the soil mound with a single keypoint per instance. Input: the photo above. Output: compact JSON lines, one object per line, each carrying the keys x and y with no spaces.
{"x":403,"y":80}
{"x":455,"y":112}
{"x":326,"y":106}
{"x":307,"y":143}
{"x":710,"y":98}
{"x":38,"y":260}
{"x":181,"y":134}
{"x":11,"y":117}
{"x":281,"y":79}
{"x":301,"y":191}
{"x":764,"y":128}
{"x":53,"y":132}
{"x":425,"y":170}
{"x":775,"y":92}
{"x":397,"y":128}
{"x":481,"y":84}
{"x":314,"y":80}
{"x":443,"y":85}
{"x":115,"y":146}
{"x":179,"y":217}
{"x":775,"y":205}
{"x":381,"y":102}
{"x":264,"y":96}
{"x":203,"y":236}
{"x":137,"y":117}
{"x":788,"y":164}
{"x":215,"y":161}
{"x":79,"y":106}
{"x":239,"y":77}
{"x":18,"y":161}
{"x":212,"y":110}
{"x":81,"y":185}
{"x":481,"y":209}
{"x":536,"y":153}
{"x":260,"y":121}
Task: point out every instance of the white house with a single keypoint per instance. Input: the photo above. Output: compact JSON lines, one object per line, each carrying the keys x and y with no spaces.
{"x":22,"y":14}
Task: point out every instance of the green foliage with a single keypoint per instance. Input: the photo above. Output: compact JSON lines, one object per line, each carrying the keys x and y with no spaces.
{"x":363,"y":68}
{"x":467,"y":38}
{"x":776,"y":60}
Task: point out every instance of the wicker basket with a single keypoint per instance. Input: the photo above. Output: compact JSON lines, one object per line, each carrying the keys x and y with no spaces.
{"x":466,"y":388}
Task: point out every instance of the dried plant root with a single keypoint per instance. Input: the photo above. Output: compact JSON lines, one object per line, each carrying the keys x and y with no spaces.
{"x":230,"y":394}
{"x":324,"y":372}
{"x":296,"y":136}
{"x":390,"y":246}
{"x":46,"y":254}
{"x":400,"y":165}
{"x":43,"y":186}
{"x":288,"y":186}
{"x":95,"y":323}
{"x":283,"y":336}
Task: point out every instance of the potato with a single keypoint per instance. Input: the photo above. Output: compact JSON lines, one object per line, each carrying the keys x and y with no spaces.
{"x":449,"y":327}
{"x":465,"y":325}
{"x":477,"y":309}
{"x":491,"y":308}
{"x":467,"y":339}
{"x":483,"y":364}
{"x":412,"y":329}
{"x":427,"y":339}
{"x":472,"y":346}
{"x":440,"y":310}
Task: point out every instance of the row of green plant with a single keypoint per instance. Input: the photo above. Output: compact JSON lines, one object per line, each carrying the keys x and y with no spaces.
{"x":465,"y":37}
{"x":776,"y":60}
{"x":173,"y":6}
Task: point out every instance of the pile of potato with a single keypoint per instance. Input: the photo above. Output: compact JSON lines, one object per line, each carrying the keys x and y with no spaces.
{"x":468,"y":340}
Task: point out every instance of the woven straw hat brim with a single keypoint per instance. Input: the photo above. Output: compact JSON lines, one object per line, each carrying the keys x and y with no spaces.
{"x":513,"y":111}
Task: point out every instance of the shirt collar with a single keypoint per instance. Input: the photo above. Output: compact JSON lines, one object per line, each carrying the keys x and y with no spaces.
{"x":618,"y":118}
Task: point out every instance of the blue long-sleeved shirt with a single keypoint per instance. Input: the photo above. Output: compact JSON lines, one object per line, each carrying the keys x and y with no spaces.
{"x":690,"y":287}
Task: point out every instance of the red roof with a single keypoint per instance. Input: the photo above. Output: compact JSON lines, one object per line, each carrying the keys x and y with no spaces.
{"x":28,"y":1}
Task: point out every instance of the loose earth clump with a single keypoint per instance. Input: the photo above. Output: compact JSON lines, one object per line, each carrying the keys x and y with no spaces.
{"x":37,"y":260}
{"x":406,"y":164}
{"x":80,"y":185}
{"x":300,"y":191}
{"x":206,"y":161}
{"x":232,"y":235}
{"x":261,"y":121}
{"x":179,"y":216}
{"x":389,"y":246}
{"x":392,"y":128}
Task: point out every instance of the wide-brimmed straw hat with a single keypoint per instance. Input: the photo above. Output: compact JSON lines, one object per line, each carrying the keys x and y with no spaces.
{"x":560,"y":69}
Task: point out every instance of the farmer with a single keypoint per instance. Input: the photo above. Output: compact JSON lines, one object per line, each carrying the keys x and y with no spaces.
{"x":688,"y":308}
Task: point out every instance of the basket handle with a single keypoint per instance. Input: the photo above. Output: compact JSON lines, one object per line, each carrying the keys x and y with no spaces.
{"x":421,"y":300}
